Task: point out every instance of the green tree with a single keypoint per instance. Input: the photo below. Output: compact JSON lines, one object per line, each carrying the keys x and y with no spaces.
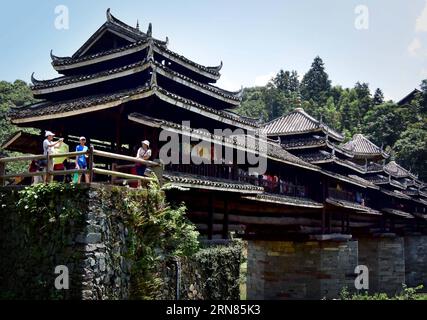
{"x":411,"y":148}
{"x":378,"y":97}
{"x":315,"y":84}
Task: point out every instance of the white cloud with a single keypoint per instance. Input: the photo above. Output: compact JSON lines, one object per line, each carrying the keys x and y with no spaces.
{"x":414,"y":47}
{"x":421,"y":24}
{"x":262,"y":80}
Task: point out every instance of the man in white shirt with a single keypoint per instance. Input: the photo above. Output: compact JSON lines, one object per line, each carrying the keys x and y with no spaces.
{"x":144,"y":153}
{"x":48,"y":146}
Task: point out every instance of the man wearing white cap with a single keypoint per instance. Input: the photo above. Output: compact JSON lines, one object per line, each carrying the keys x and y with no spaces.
{"x":48,"y":146}
{"x":144,"y":153}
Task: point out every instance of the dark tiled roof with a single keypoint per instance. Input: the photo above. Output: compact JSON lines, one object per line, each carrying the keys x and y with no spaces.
{"x":398,"y":213}
{"x":272,"y":150}
{"x":360,"y":145}
{"x":352,"y":205}
{"x":42,"y":84}
{"x":300,"y":143}
{"x":236,"y":96}
{"x":396,"y":170}
{"x":204,"y":182}
{"x":377,"y":179}
{"x":317,"y":156}
{"x":62,"y":61}
{"x":140,"y":39}
{"x":51,"y":108}
{"x":396,"y":194}
{"x":285,"y":200}
{"x":297,"y":122}
{"x":61,"y":81}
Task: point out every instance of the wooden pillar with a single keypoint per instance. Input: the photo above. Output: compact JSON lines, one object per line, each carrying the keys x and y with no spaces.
{"x":324,"y":195}
{"x":225,"y":221}
{"x":210,"y":216}
{"x":91,"y":164}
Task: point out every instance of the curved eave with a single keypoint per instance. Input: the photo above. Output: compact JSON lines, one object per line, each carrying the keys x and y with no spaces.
{"x":78,"y":82}
{"x":176,"y":128}
{"x":303,"y":147}
{"x":168,"y":54}
{"x":346,"y":179}
{"x":69,"y":83}
{"x":284,"y":200}
{"x":162,"y":94}
{"x":361,"y":155}
{"x":228,"y":97}
{"x":352,"y":206}
{"x":399,"y":213}
{"x":229,"y":188}
{"x":62,"y":64}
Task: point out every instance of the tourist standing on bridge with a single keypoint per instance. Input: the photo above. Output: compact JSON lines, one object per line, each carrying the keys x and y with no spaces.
{"x":48,"y":146}
{"x":81,"y":161}
{"x":144,"y":153}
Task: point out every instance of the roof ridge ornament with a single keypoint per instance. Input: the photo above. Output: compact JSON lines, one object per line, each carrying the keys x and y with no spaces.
{"x":153,"y":80}
{"x":239,"y":94}
{"x":150,"y":30}
{"x":137,"y":24}
{"x":53,"y":57}
{"x":34,"y":80}
{"x":150,"y":53}
{"x":109,"y":15}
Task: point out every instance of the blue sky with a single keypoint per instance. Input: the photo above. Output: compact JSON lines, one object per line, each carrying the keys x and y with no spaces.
{"x":253,"y":38}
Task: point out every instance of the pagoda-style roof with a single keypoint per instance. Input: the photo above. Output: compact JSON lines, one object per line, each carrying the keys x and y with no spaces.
{"x":48,"y":110}
{"x":395,"y":170}
{"x":270,"y":150}
{"x":134,"y":41}
{"x":362,"y":147}
{"x":298,"y":122}
{"x":44,"y":88}
{"x":118,"y":28}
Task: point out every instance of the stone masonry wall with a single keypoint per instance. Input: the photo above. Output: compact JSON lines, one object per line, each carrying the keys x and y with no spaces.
{"x":94,"y":248}
{"x":299,"y":270}
{"x":416,"y":261}
{"x":385,"y":259}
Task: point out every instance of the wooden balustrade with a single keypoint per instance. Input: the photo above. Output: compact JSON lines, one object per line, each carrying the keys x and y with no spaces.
{"x":91,"y":170}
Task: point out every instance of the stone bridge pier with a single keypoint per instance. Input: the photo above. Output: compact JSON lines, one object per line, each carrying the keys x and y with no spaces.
{"x":319,"y":269}
{"x":384,"y":255}
{"x":416,"y":260}
{"x":300,"y":270}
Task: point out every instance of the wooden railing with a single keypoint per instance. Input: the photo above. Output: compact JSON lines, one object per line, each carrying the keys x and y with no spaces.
{"x":48,"y":172}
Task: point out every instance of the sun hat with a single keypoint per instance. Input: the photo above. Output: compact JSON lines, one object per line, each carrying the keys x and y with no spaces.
{"x":49,"y":133}
{"x":82,"y":138}
{"x":146,"y":142}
